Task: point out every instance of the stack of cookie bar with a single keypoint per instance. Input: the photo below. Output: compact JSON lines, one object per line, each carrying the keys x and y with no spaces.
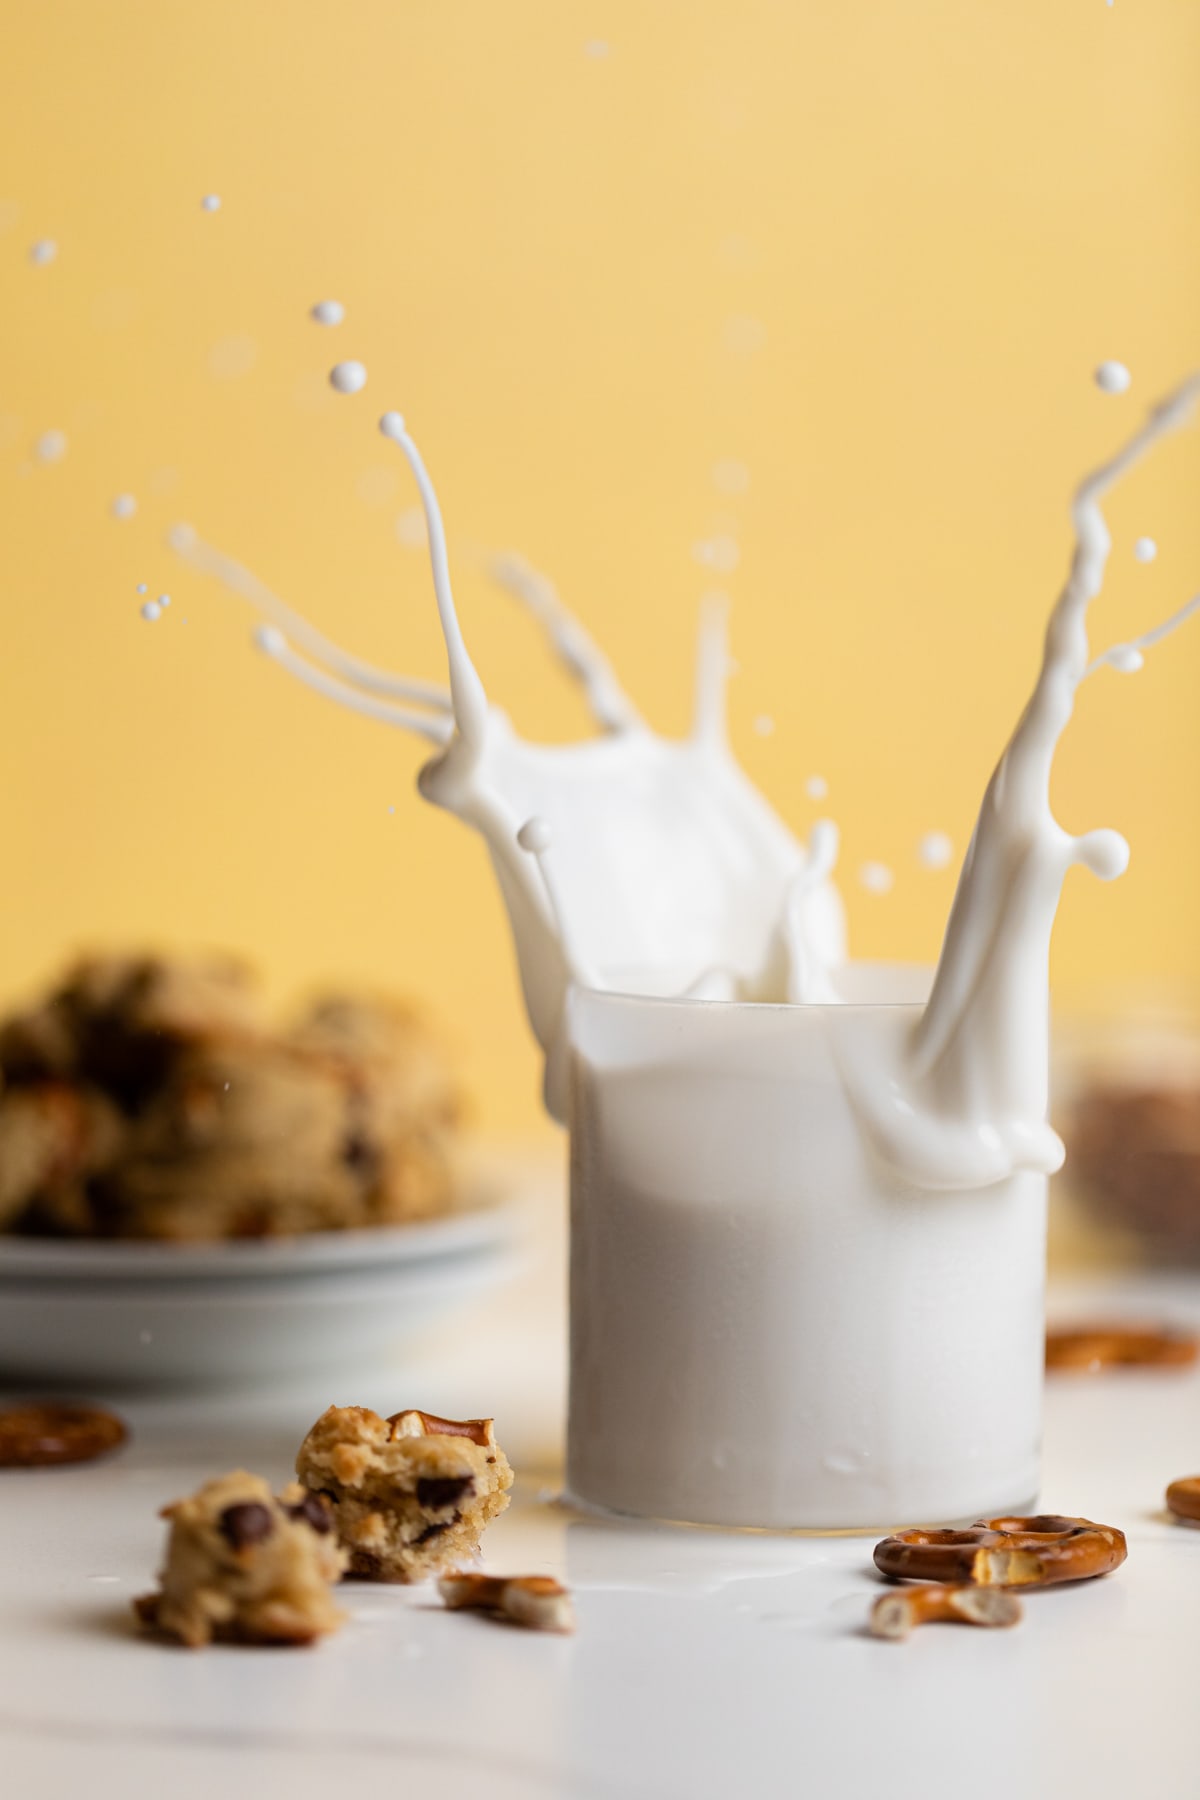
{"x":147,"y":1098}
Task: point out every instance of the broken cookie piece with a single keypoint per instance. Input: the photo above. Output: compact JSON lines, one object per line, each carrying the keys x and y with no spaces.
{"x":410,"y":1494}
{"x":247,"y":1566}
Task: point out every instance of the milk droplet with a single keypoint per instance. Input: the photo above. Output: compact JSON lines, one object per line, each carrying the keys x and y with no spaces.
{"x":164,"y":599}
{"x":935,"y":850}
{"x":123,"y":506}
{"x":51,"y":446}
{"x":44,"y":251}
{"x":1145,"y":549}
{"x":348,"y":377}
{"x":1126,"y":658}
{"x":595,"y":47}
{"x":720,"y":553}
{"x":764,"y":725}
{"x":211,"y":203}
{"x":876,"y":877}
{"x":730,"y":476}
{"x":392,"y":426}
{"x":1112,"y":377}
{"x":151,"y":610}
{"x":534,"y":836}
{"x":141,"y":587}
{"x":816,"y":787}
{"x":327,"y":312}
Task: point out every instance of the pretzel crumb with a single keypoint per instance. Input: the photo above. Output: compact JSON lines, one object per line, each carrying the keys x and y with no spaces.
{"x":536,"y":1601}
{"x":893,"y":1616}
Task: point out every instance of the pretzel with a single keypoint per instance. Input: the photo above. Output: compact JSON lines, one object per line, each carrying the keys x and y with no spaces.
{"x":1030,"y":1552}
{"x":894,"y":1615}
{"x":37,"y":1435}
{"x":422,"y":1424}
{"x":1087,"y":1348}
{"x":1183,"y":1497}
{"x":537,"y":1601}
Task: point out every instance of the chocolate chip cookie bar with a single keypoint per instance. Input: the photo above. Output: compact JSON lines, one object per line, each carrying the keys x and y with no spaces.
{"x":247,"y":1566}
{"x":411,"y":1494}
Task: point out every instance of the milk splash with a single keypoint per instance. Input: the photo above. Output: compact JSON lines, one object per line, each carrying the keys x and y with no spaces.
{"x":635,"y":863}
{"x":646,"y":865}
{"x":962,"y":1101}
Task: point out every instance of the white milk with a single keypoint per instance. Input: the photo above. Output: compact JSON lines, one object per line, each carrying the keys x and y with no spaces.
{"x":768,"y":1328}
{"x":808,"y":1204}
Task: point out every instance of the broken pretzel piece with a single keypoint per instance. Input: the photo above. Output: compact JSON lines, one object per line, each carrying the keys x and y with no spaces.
{"x":536,"y":1601}
{"x":895,"y":1615}
{"x":1183,"y":1497}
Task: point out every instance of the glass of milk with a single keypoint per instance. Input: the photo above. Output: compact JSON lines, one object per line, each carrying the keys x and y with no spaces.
{"x":770,"y":1328}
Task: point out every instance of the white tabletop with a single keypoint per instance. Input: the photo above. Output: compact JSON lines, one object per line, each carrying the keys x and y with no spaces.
{"x":705,"y":1664}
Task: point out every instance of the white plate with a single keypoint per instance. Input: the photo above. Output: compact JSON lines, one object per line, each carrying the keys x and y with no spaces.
{"x":118,"y":1315}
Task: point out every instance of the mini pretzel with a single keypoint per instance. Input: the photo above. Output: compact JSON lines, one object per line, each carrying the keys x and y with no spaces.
{"x":1086,"y":1348}
{"x":1183,"y":1497}
{"x":1030,"y":1552}
{"x":537,"y":1601}
{"x":422,"y":1424}
{"x":895,"y":1615}
{"x":36,"y":1436}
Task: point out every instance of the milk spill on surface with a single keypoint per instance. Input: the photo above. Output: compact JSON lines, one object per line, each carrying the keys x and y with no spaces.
{"x":637,"y":864}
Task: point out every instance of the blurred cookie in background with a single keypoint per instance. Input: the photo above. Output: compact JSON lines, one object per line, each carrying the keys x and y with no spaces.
{"x":147,"y":1097}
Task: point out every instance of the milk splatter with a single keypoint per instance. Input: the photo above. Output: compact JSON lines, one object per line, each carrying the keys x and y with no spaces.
{"x":328,"y":312}
{"x":1112,"y":377}
{"x":935,"y":850}
{"x":348,"y":377}
{"x":122,"y":506}
{"x":1145,"y":549}
{"x":51,"y":447}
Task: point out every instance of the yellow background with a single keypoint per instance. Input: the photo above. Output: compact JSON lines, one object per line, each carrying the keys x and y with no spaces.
{"x":872,"y":252}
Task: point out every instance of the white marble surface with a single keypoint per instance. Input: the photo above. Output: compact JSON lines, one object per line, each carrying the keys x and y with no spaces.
{"x":706,"y":1665}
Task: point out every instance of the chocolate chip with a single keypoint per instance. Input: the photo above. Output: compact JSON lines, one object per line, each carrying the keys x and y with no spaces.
{"x":438,"y":1491}
{"x":316,"y":1510}
{"x":366,"y":1564}
{"x":360,"y":1155}
{"x":249,"y":1523}
{"x":432,"y":1531}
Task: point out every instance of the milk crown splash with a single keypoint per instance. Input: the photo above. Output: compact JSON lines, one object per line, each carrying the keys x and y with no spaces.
{"x":652,"y":865}
{"x":642,"y":864}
